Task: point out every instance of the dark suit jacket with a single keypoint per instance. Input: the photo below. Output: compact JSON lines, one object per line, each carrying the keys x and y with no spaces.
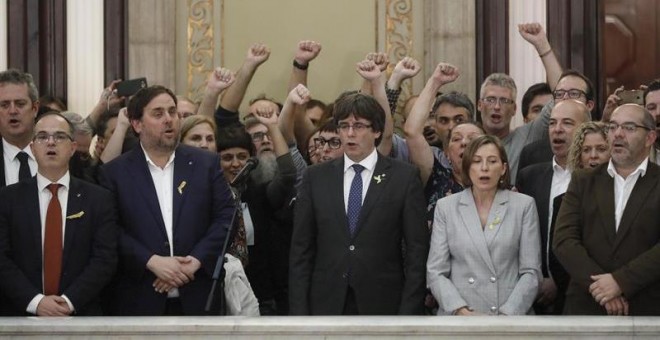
{"x":534,"y":153}
{"x":3,"y":183}
{"x":536,"y":180}
{"x":89,"y":255}
{"x":202,"y":209}
{"x":587,"y":243}
{"x":325,"y":260}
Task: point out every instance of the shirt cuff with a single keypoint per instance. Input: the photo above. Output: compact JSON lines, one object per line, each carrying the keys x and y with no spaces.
{"x":68,"y":302}
{"x":32,"y":306}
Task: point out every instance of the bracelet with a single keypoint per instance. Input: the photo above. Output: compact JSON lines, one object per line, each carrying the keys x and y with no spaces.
{"x":545,"y":53}
{"x":299,"y":65}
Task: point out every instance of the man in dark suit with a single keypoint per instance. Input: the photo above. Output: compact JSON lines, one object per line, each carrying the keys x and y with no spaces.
{"x":19,"y":103}
{"x":546,"y":181}
{"x":607,"y":234}
{"x":73,"y":220}
{"x":352,"y":217}
{"x":174,"y":206}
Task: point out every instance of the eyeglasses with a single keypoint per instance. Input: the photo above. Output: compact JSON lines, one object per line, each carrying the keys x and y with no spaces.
{"x":333,"y":143}
{"x":501,"y":100}
{"x":357,"y":127}
{"x":572,"y":93}
{"x":626,"y":127}
{"x":58,"y":137}
{"x":259,"y":136}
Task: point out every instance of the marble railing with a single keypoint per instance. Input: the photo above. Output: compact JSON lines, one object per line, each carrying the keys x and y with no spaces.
{"x":421,"y":327}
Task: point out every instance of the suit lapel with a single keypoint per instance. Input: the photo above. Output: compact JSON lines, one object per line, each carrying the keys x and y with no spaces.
{"x":496,"y":216}
{"x":470,"y":218}
{"x":2,"y":165}
{"x":336,"y":199}
{"x":644,"y":186}
{"x":604,"y":187}
{"x":376,"y":188}
{"x":34,"y":219}
{"x":142,"y":179}
{"x":183,"y":166}
{"x":74,"y":209}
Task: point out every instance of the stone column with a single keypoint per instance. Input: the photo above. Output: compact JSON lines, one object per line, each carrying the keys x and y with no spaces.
{"x":152,"y":42}
{"x":84,"y":50}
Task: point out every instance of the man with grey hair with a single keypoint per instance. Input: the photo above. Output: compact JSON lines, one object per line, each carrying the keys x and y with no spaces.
{"x":18,"y":108}
{"x":81,"y":164}
{"x":497,"y":105}
{"x":607,"y":233}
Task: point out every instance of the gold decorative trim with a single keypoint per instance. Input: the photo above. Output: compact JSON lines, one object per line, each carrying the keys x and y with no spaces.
{"x":200,"y":46}
{"x":399,"y":38}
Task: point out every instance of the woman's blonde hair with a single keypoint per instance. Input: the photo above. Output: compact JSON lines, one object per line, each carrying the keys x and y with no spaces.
{"x":194,"y":120}
{"x":575,"y":150}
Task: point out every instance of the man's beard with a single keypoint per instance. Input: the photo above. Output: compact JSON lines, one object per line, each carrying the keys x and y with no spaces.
{"x":267,"y":168}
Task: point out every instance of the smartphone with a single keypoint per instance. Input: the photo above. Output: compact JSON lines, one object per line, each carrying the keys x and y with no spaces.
{"x":632,"y":97}
{"x":128,"y":88}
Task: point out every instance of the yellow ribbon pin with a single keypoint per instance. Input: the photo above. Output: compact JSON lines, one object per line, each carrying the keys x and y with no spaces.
{"x":74,"y":216}
{"x":181,"y":186}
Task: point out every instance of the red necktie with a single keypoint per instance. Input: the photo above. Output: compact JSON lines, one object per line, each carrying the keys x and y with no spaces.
{"x":53,"y":244}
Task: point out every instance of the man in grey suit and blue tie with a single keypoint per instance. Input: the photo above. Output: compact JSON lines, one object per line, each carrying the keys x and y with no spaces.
{"x":352,"y":216}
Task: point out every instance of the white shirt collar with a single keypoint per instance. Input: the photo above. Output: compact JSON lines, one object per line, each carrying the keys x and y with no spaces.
{"x":556,"y":167}
{"x":146,"y":155}
{"x":641,"y":168}
{"x":12,"y":150}
{"x":43,"y":182}
{"x":368,"y":162}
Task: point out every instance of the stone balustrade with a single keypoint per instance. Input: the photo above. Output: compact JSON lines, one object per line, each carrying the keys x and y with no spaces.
{"x":336,"y":327}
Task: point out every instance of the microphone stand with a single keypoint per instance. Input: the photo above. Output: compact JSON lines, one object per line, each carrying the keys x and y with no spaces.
{"x":217,"y":305}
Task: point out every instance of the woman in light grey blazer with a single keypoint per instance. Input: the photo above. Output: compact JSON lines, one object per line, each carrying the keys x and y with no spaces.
{"x":485,"y":255}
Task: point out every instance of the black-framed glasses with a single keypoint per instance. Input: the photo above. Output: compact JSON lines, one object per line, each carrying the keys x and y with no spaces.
{"x":334,"y":142}
{"x":357,"y":127}
{"x":259,"y":136}
{"x":626,"y":127}
{"x":490,"y":100}
{"x":572,"y":93}
{"x":58,"y":137}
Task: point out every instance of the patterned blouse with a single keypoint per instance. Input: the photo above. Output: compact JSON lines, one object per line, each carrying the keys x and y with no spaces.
{"x":440,"y":184}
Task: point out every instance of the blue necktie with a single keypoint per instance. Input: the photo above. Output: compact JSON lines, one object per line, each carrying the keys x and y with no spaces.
{"x":354,"y":199}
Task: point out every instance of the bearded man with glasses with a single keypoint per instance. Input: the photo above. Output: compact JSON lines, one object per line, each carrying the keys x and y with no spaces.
{"x":607,"y":234}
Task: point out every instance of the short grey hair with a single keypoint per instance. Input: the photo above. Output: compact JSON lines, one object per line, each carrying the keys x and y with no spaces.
{"x":78,"y":122}
{"x":17,"y":77}
{"x":501,"y":80}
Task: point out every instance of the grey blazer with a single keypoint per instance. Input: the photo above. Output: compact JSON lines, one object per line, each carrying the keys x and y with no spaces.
{"x":492,"y":271}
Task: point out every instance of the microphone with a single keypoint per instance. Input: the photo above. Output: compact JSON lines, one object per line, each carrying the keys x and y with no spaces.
{"x":243,"y":174}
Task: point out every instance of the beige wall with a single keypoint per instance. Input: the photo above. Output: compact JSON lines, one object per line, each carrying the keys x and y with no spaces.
{"x":177,"y":43}
{"x":345,"y":28}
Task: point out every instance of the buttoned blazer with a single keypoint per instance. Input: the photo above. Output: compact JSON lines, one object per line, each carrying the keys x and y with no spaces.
{"x":202,"y":210}
{"x":325,"y":259}
{"x":89,"y":254}
{"x":492,"y":270}
{"x":587,"y":243}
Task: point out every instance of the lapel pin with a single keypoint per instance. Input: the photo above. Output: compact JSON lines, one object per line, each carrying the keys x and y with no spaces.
{"x":181,"y":186}
{"x":379,"y":178}
{"x":75,"y":216}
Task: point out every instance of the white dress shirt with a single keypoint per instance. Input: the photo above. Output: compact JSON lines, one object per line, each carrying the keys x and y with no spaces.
{"x":44,"y":200}
{"x":163,"y":183}
{"x":623,"y":187}
{"x":369,"y":164}
{"x":12,"y":164}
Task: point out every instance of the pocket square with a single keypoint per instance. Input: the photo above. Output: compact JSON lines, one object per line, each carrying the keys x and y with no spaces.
{"x":76,"y":215}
